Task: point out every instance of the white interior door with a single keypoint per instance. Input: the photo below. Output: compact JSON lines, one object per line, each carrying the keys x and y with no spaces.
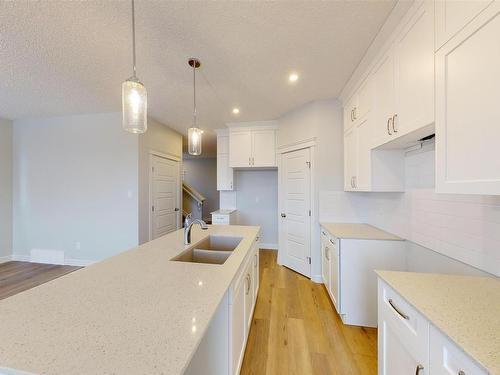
{"x":295,"y":195}
{"x":165,"y":196}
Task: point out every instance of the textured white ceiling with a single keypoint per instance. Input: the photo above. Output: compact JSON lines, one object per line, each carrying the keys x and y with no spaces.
{"x":61,"y":58}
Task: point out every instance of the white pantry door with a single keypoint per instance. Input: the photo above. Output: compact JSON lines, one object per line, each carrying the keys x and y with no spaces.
{"x":165,"y":196}
{"x":295,"y":196}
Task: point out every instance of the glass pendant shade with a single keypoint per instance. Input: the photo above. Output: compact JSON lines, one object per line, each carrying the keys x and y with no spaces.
{"x":194,"y":141}
{"x":134,"y":106}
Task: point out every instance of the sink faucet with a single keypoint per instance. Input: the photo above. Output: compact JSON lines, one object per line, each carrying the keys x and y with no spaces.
{"x":188,"y":224}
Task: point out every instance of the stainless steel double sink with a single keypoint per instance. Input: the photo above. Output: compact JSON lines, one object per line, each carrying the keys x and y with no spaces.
{"x":211,"y":250}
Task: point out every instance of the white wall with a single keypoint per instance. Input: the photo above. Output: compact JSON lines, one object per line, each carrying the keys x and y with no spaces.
{"x":462,"y":227}
{"x":159,"y":138}
{"x":5,"y":189}
{"x":257,"y":202}
{"x":323,"y":121}
{"x":201,"y":174}
{"x":75,"y":186}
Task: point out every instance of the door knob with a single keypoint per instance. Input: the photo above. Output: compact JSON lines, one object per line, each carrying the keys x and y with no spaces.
{"x":283,"y":214}
{"x":176,"y":209}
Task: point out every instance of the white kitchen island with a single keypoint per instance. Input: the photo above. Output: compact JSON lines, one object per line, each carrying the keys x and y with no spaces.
{"x":135,"y":313}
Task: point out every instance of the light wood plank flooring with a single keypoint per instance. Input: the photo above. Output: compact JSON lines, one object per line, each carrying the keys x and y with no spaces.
{"x":16,"y":277}
{"x":295,"y":329}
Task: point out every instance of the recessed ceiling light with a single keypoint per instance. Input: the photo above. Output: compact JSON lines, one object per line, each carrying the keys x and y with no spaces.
{"x":293,"y":77}
{"x":236,"y":111}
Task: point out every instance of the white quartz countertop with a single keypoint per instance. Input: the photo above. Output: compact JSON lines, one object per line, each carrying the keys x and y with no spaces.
{"x":358,"y":231}
{"x":465,"y":308}
{"x":135,"y":313}
{"x":223,"y":211}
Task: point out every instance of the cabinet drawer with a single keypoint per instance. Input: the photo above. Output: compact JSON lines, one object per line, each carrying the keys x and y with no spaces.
{"x":220,"y":219}
{"x":409,"y":326}
{"x":447,"y":359}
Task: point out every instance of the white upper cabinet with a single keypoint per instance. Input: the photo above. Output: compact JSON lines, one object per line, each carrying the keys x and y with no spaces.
{"x":359,"y":105}
{"x":264,"y":148}
{"x":252,"y":147}
{"x":452,"y":16}
{"x":414,"y":72}
{"x":468,"y":107}
{"x":240,"y":148}
{"x":384,"y":99}
{"x":350,"y":159}
{"x":225,"y":173}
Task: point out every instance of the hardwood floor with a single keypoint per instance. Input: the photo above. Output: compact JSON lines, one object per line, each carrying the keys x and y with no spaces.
{"x":296,"y":330}
{"x":16,"y":277}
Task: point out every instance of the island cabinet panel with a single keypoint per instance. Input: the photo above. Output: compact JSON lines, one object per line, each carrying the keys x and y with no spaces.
{"x":212,"y":355}
{"x":467,"y":110}
{"x":242,"y":298}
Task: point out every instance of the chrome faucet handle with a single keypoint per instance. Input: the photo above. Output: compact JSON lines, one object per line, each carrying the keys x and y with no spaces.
{"x":188,"y":219}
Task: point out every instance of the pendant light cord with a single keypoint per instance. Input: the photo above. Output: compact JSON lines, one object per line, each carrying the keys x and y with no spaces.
{"x":194,"y":93}
{"x":133,"y":38}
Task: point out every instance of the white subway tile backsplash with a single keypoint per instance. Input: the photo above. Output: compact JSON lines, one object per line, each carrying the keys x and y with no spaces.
{"x":463,"y":227}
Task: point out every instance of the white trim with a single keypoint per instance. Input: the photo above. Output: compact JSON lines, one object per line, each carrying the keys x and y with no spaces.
{"x":261,"y":125}
{"x":294,"y":146}
{"x":6,"y":258}
{"x":164,"y":155}
{"x":318,"y":279}
{"x":268,"y":246}
{"x":67,"y":262}
{"x":21,"y":258}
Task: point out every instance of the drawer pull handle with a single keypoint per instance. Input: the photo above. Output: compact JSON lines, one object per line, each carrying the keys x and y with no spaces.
{"x":461,"y":372}
{"x":419,"y":368}
{"x":403,"y":315}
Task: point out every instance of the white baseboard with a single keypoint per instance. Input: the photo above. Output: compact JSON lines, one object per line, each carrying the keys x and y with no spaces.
{"x":318,"y":279}
{"x":66,"y":262}
{"x":6,"y":258}
{"x":270,"y":246}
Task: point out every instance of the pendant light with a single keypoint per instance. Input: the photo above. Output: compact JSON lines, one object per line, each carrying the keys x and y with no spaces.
{"x":134,"y":96}
{"x":194,"y":133}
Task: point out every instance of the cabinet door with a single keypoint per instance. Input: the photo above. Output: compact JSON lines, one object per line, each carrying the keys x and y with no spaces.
{"x":447,"y":359}
{"x":224,"y":173}
{"x":240,"y":148}
{"x":365,"y":98}
{"x":238,"y":324}
{"x":467,"y":108}
{"x":249,"y":294}
{"x":453,"y":15}
{"x":350,"y":162}
{"x":325,"y":264}
{"x":255,"y":277}
{"x":349,"y":113}
{"x":335,"y":274}
{"x":264,"y":148}
{"x":364,"y":139}
{"x":384,"y":102}
{"x":414,"y":72}
{"x":403,"y":335}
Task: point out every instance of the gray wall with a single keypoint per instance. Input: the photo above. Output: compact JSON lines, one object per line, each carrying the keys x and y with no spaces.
{"x":201,"y":173}
{"x":5,"y":189}
{"x":158,"y":138}
{"x":75,"y":186}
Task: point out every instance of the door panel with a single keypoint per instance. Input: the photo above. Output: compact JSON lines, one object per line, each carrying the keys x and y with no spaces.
{"x":165,"y":205}
{"x":295,"y":190}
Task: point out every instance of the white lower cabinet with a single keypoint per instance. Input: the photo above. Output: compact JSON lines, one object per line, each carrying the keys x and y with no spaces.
{"x":243,"y":295}
{"x":349,"y":277}
{"x":409,"y":344}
